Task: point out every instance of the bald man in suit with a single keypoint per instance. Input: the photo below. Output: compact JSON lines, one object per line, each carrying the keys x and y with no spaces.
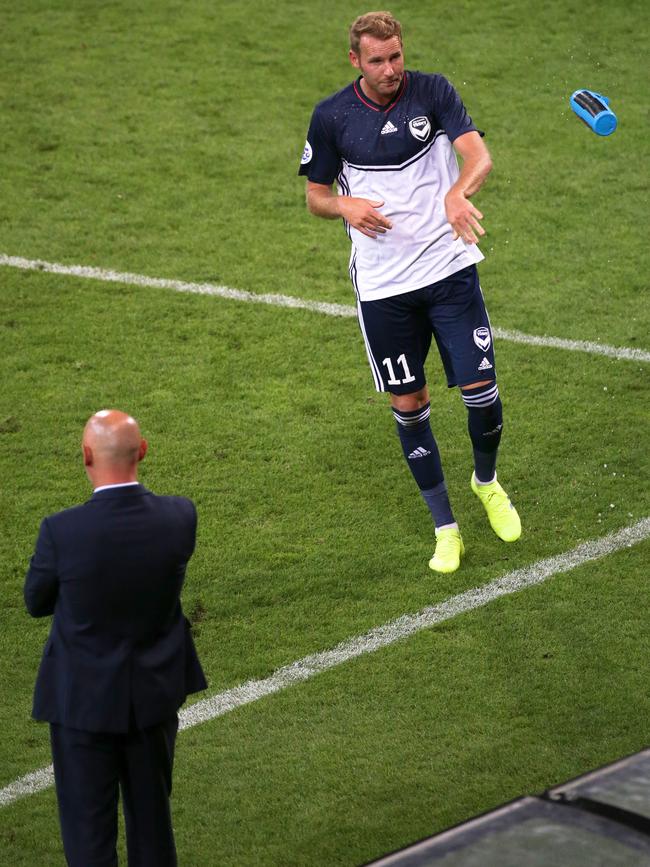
{"x":120,"y":659}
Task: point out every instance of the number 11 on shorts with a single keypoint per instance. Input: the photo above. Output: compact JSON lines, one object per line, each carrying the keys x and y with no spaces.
{"x":392,"y":380}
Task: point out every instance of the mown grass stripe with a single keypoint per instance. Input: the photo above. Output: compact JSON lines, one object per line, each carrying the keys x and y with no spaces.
{"x":345,"y":310}
{"x":382,"y":636}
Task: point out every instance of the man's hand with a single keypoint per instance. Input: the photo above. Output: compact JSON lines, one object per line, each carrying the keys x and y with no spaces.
{"x":477,"y":164}
{"x":362,"y":215}
{"x":463,"y":217}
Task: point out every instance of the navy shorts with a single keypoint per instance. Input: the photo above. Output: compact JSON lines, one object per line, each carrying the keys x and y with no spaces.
{"x":397,"y":332}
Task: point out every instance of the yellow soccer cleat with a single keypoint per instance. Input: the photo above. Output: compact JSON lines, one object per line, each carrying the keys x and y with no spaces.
{"x":502,"y":515}
{"x":449,"y":550}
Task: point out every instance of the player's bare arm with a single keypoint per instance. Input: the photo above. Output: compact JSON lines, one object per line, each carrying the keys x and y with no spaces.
{"x":361,"y":214}
{"x":463,"y":216}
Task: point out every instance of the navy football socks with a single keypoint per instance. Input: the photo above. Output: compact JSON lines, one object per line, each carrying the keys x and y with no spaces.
{"x":423,"y":458}
{"x":484,"y":423}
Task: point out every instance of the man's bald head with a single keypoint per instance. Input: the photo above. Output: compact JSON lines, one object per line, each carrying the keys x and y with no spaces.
{"x":112,"y":446}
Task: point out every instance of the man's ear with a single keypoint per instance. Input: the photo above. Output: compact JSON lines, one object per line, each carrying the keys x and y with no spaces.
{"x":88,"y":455}
{"x":144,"y":445}
{"x":354,"y":59}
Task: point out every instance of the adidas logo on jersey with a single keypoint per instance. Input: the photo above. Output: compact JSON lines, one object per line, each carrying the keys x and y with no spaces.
{"x":485,"y":365}
{"x":420,"y":452}
{"x":388,"y":127}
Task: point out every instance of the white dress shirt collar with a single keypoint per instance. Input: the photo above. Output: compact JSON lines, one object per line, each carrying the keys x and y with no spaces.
{"x":119,"y":485}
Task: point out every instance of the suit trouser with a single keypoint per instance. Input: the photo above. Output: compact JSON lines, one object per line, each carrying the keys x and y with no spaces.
{"x":89,"y":770}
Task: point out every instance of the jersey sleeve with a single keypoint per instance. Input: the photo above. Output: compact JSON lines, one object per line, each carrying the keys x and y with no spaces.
{"x":449,"y":109}
{"x":320,"y":161}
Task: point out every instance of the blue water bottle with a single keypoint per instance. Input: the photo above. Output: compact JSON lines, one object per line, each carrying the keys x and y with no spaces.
{"x":593,"y":108}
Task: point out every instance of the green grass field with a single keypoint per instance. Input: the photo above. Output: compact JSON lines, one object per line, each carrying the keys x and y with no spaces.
{"x":164,"y":139}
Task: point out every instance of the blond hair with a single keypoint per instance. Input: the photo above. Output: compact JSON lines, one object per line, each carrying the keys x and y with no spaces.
{"x":381,"y":25}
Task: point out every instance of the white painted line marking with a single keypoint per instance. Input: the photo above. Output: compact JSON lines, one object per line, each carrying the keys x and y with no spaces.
{"x":382,"y":636}
{"x":622,"y":352}
{"x":591,"y":347}
{"x":177,"y":285}
{"x":30,"y":784}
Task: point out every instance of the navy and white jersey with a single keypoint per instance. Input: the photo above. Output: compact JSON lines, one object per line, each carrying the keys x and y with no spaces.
{"x":400,"y":153}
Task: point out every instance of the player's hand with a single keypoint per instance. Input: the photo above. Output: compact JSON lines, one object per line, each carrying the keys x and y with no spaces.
{"x":363,"y":215}
{"x":463,"y":217}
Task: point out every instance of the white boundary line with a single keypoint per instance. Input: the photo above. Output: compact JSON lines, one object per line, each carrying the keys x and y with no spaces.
{"x":89,"y":273}
{"x":382,"y":636}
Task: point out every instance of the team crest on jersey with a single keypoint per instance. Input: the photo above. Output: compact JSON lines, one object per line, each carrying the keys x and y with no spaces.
{"x":420,"y":128}
{"x":306,"y":154}
{"x":482,"y":338}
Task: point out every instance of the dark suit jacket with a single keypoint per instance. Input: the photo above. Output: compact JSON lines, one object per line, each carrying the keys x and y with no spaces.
{"x":111,"y":572}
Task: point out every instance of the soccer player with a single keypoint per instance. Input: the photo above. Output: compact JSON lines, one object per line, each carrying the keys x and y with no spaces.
{"x":388,"y":141}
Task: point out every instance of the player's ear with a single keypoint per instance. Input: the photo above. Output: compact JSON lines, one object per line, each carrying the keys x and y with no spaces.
{"x":354,"y":59}
{"x":88,"y":455}
{"x":144,"y":445}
